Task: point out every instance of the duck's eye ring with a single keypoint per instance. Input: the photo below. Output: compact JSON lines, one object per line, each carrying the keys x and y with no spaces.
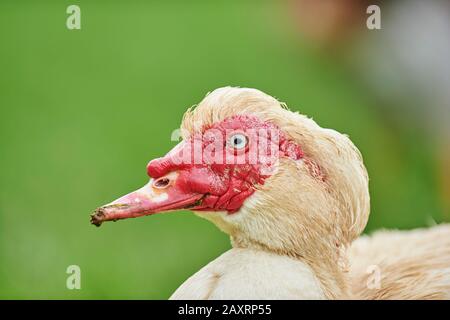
{"x":238,"y":141}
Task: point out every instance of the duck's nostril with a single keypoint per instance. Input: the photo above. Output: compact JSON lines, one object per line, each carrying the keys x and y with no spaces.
{"x":161,"y":183}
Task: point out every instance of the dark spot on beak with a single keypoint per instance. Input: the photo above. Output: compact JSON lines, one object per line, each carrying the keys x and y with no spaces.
{"x":196,"y":203}
{"x":101,"y":214}
{"x":97,"y":217}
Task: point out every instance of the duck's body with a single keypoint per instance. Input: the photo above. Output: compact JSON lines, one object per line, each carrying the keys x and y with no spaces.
{"x":251,"y":274}
{"x":293,"y":197}
{"x":387,"y":265}
{"x":408,"y":264}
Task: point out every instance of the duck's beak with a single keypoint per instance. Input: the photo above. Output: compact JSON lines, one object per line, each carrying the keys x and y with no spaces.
{"x":163,"y":194}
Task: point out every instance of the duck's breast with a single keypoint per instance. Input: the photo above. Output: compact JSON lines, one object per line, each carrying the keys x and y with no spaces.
{"x":251,"y":274}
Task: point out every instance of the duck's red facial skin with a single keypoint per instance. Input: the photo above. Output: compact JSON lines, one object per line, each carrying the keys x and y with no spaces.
{"x":209,"y":164}
{"x":216,"y":170}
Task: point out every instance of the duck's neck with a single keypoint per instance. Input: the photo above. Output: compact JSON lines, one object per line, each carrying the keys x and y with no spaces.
{"x":327,"y":264}
{"x":260,"y":229}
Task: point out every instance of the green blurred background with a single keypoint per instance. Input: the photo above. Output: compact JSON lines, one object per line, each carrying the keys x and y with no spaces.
{"x":83,"y":111}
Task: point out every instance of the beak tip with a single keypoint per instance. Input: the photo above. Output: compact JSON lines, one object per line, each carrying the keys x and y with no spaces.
{"x":97,"y":217}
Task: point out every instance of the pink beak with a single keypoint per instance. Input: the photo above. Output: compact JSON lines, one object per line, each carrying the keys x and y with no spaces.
{"x":163,"y":194}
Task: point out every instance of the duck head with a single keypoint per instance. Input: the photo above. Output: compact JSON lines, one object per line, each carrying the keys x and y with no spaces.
{"x":270,"y":178}
{"x":215,"y":169}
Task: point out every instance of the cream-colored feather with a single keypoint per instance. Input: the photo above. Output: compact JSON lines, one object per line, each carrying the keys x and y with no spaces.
{"x":297,"y":230}
{"x":408,"y":264}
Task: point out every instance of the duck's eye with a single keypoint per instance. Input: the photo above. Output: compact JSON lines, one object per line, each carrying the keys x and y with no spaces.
{"x":238,"y":141}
